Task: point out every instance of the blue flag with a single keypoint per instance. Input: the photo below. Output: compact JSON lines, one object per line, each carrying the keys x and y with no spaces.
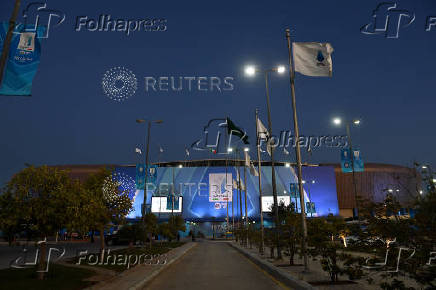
{"x":23,"y":59}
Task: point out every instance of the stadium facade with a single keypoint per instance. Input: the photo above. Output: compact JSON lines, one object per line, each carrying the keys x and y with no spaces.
{"x":201,"y":188}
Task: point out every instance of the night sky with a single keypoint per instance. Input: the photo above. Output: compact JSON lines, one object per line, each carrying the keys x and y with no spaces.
{"x":388,"y":83}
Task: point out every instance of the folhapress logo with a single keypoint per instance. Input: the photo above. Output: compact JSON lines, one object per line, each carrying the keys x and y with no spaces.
{"x":39,"y":18}
{"x":105,"y":23}
{"x":388,"y":20}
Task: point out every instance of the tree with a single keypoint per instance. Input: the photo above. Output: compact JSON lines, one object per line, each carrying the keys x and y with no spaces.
{"x":150,"y":221}
{"x":109,"y":202}
{"x":42,"y":199}
{"x":169,"y":229}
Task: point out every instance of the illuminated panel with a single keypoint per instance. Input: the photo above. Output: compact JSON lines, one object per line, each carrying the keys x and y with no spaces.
{"x":159,"y":204}
{"x":268,"y":201}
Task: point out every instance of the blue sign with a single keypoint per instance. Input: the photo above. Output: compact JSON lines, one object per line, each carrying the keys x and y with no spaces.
{"x":23,"y":59}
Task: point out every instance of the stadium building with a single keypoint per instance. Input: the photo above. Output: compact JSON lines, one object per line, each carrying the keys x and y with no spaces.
{"x":211,"y":190}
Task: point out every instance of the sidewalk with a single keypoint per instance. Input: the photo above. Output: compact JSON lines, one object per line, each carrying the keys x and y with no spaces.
{"x":140,"y":275}
{"x":293,"y":275}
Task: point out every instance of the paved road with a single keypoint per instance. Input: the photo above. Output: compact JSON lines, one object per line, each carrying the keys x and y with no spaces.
{"x":213,"y":265}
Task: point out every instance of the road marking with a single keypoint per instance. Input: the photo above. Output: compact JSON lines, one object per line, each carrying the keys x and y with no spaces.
{"x":283,"y":286}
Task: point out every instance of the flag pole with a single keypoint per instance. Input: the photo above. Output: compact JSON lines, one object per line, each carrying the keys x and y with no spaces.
{"x":298,"y":154}
{"x":260,"y":186}
{"x":7,"y":43}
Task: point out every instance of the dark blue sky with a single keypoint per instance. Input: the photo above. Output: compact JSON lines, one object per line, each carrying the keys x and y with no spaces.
{"x":388,"y":83}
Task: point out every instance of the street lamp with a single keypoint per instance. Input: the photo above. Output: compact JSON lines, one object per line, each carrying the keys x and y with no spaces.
{"x":229,"y":149}
{"x":246,"y":149}
{"x":337,"y":121}
{"x":251,"y":71}
{"x":139,"y":121}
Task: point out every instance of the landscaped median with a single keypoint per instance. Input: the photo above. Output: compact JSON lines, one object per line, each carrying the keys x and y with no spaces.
{"x":271,"y":269}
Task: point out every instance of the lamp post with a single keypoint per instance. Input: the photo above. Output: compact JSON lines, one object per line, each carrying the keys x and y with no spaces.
{"x":251,"y":71}
{"x":146,"y":160}
{"x":356,"y":122}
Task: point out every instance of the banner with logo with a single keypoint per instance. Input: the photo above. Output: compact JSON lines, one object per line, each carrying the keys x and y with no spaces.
{"x":140,"y":176}
{"x":23,"y":59}
{"x":293,"y":190}
{"x":152,"y":174}
{"x":358,"y":161}
{"x":310,"y":207}
{"x":173,"y":202}
{"x":346,"y":164}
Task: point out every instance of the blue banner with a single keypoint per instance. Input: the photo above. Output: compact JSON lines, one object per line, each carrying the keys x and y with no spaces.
{"x":358,"y":161}
{"x":140,"y":176}
{"x":310,"y":207}
{"x":346,"y":160}
{"x":23,"y":59}
{"x":172,"y":201}
{"x":152,"y":174}
{"x":293,"y":190}
{"x":346,"y":164}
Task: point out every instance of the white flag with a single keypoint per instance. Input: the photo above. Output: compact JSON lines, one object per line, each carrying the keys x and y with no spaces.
{"x":285,"y":151}
{"x":161,"y":149}
{"x":137,"y":150}
{"x":247,"y":159}
{"x":313,"y":58}
{"x":262,"y":132}
{"x":270,"y":146}
{"x":187,"y":151}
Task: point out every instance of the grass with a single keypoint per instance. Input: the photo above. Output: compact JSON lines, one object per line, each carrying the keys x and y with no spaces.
{"x":157,"y":249}
{"x":59,"y":277}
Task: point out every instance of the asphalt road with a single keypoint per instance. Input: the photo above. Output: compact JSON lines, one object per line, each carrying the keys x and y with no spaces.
{"x":213,"y":265}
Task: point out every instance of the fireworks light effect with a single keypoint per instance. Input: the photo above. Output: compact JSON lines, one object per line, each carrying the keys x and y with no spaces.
{"x":118,"y":184}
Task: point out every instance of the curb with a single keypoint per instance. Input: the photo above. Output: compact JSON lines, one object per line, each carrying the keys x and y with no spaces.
{"x":147,"y":279}
{"x":277,"y":273}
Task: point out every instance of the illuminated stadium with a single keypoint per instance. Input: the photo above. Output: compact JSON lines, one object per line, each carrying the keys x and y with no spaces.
{"x":201,"y":188}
